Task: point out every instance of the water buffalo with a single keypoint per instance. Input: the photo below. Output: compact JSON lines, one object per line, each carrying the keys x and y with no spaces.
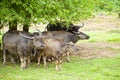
{"x":20,"y":43}
{"x":66,"y":36}
{"x":57,"y":49}
{"x":63,"y":26}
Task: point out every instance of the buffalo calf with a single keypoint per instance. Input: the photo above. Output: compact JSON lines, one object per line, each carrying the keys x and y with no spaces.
{"x":55,"y":48}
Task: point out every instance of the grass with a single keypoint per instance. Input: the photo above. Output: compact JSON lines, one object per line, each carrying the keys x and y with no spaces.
{"x":105,"y":37}
{"x":112,"y":36}
{"x":77,"y":69}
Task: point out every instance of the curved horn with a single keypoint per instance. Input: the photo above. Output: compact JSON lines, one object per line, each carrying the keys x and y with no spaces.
{"x":25,"y":36}
{"x":81,"y":25}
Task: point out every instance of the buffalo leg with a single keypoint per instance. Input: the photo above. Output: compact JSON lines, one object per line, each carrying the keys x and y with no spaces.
{"x":39,"y":58}
{"x":28,"y":60}
{"x":44,"y":60}
{"x":12,"y":59}
{"x":57,"y":65}
{"x":23,"y":66}
{"x":4,"y":56}
{"x":25,"y":61}
{"x":60,"y":62}
{"x":68,"y":57}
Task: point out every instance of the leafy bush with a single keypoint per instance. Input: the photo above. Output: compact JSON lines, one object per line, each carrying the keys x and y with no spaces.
{"x":108,"y":5}
{"x":45,"y":10}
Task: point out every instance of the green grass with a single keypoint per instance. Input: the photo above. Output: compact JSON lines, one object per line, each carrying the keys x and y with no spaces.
{"x":77,"y":69}
{"x":110,"y":36}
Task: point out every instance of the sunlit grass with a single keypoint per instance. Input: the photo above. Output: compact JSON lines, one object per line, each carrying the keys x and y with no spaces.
{"x":110,"y":36}
{"x":77,"y":69}
{"x":105,"y":37}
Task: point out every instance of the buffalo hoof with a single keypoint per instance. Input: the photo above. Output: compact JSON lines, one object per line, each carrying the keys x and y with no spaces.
{"x":23,"y":67}
{"x":57,"y":69}
{"x":49,"y":60}
{"x":68,"y":60}
{"x":38,"y":64}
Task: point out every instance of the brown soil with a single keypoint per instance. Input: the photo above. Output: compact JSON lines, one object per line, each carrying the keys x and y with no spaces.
{"x":98,"y":50}
{"x":101,"y":23}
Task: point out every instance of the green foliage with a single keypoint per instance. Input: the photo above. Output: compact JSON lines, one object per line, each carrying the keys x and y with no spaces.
{"x":68,"y":10}
{"x":108,"y":5}
{"x":27,"y":11}
{"x":16,"y":10}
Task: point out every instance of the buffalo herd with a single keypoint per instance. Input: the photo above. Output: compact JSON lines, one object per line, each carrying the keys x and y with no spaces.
{"x":57,"y":43}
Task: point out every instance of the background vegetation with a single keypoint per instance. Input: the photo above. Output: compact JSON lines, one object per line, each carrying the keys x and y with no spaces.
{"x":30,"y":11}
{"x":108,"y":5}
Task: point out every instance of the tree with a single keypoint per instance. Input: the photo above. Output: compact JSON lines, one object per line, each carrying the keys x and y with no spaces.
{"x":27,"y":11}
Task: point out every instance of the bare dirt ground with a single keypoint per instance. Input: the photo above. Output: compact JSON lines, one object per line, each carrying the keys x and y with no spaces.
{"x":98,"y":50}
{"x":101,"y":23}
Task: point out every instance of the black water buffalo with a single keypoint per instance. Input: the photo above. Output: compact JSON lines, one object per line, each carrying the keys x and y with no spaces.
{"x":63,"y":26}
{"x":20,"y":43}
{"x":66,"y":36}
{"x":57,"y":49}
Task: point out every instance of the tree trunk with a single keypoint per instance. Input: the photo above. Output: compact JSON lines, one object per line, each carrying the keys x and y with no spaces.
{"x":26,"y":27}
{"x":13,"y":25}
{"x":1,"y":25}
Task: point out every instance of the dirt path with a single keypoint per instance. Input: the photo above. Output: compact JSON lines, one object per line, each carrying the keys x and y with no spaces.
{"x":101,"y":24}
{"x":98,"y":50}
